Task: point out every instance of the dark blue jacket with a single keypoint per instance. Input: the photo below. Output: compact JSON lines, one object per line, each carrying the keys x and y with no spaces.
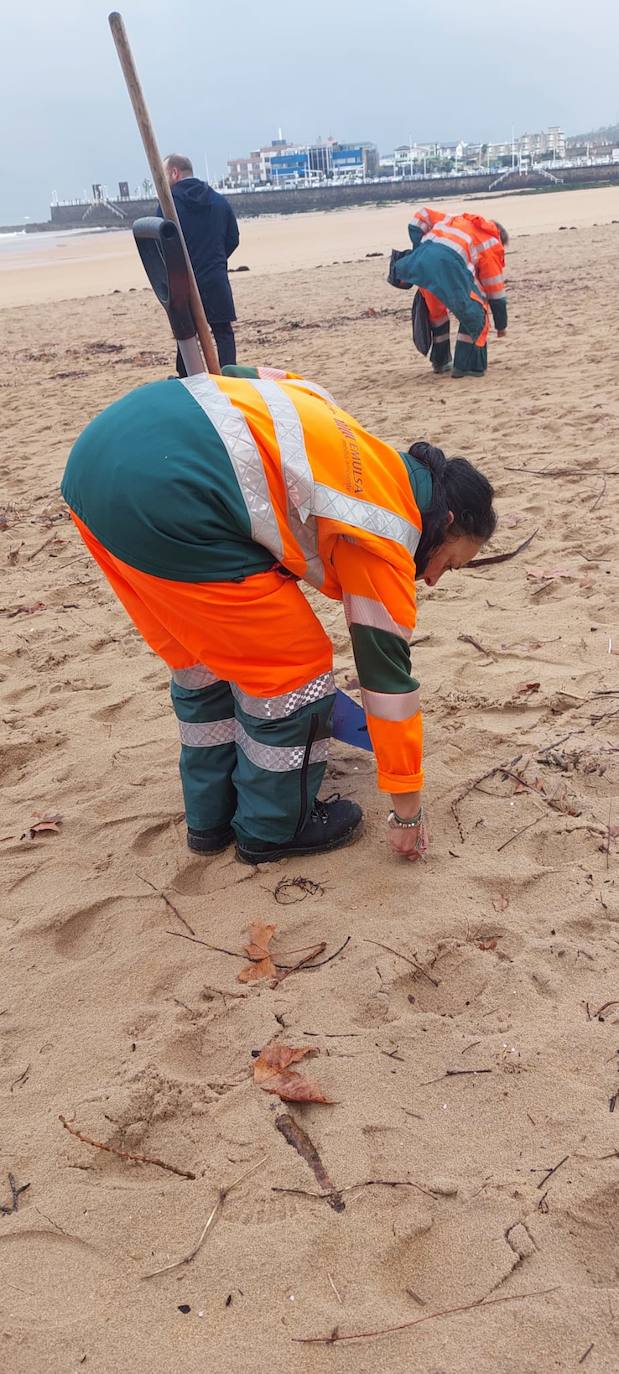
{"x":211,"y":233}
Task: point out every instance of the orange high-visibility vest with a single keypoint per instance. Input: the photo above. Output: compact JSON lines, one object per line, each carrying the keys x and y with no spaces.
{"x":475,"y":239}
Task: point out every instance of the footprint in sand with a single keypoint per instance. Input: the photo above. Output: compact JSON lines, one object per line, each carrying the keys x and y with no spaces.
{"x":455,"y":984}
{"x":584,"y":1235}
{"x":148,"y":840}
{"x":457,"y":1257}
{"x":50,"y":1279}
{"x":85,"y":931}
{"x":115,"y":709}
{"x":18,"y":757}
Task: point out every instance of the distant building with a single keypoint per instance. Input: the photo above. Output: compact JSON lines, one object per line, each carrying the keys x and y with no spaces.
{"x":549,"y":144}
{"x":422,"y":159}
{"x":285,"y":164}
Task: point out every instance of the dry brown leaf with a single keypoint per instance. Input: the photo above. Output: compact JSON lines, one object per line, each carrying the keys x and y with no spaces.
{"x":273,"y":1074}
{"x":260,"y":935}
{"x":41,"y":823}
{"x":525,"y":688}
{"x":27,"y":610}
{"x":257,"y":950}
{"x":487,"y":944}
{"x":501,"y":902}
{"x":262,"y":968}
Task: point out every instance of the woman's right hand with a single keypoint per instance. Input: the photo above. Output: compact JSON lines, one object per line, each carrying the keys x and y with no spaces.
{"x":409,"y":842}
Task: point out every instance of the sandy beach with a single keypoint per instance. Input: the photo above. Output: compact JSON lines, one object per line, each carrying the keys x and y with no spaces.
{"x":37,"y":268}
{"x":468,"y":1028}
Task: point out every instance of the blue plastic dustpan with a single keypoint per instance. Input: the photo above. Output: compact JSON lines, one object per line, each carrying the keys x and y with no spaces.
{"x":349,"y":723}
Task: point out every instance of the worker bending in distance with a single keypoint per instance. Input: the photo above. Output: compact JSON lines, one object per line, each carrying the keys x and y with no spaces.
{"x":458,"y":262}
{"x":205,"y":501}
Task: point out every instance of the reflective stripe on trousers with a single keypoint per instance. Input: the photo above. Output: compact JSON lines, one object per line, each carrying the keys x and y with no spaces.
{"x":276,"y":758}
{"x":252,"y":762}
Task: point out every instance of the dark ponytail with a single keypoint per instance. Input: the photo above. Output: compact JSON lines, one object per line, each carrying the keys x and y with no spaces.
{"x":457,"y":487}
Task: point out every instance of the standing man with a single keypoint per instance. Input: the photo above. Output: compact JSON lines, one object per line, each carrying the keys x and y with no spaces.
{"x":458,"y":262}
{"x":211,"y":233}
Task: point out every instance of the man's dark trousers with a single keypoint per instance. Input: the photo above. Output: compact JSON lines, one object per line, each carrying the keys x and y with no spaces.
{"x":223,"y":335}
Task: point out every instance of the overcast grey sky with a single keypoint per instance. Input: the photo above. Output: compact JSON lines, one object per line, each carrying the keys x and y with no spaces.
{"x":220,"y":79}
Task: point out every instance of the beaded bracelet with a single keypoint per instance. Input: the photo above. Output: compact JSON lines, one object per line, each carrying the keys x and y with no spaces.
{"x":399,"y":823}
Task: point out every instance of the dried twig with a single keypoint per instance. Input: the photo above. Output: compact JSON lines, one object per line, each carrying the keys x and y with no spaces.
{"x":7,"y":1209}
{"x":52,"y":539}
{"x":364,"y":1183}
{"x":501,"y":557}
{"x":457,"y":1073}
{"x":22,"y":1078}
{"x":600,"y":495}
{"x":407,"y":959}
{"x":124,"y":1154}
{"x":172,"y":907}
{"x":219,"y":949}
{"x":307,"y":959}
{"x":300,"y":1141}
{"x":452,"y":1073}
{"x":470,"y":787}
{"x":335,"y":1337}
{"x":552,"y":1171}
{"x":587,"y":1352}
{"x":519,"y":833}
{"x":309,"y":968}
{"x":604,"y":1007}
{"x":223,"y":1193}
{"x":468,"y":639}
{"x":334,"y":1289}
{"x":561,"y":472}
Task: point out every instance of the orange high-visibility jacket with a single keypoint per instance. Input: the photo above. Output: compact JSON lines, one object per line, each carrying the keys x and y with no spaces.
{"x":337,"y":508}
{"x":476,"y":239}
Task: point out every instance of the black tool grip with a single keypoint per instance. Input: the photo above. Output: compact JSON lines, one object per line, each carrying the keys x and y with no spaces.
{"x":160,"y":248}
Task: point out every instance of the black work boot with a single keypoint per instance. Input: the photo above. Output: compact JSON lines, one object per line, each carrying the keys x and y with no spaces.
{"x":329,"y":825}
{"x":209,"y":841}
